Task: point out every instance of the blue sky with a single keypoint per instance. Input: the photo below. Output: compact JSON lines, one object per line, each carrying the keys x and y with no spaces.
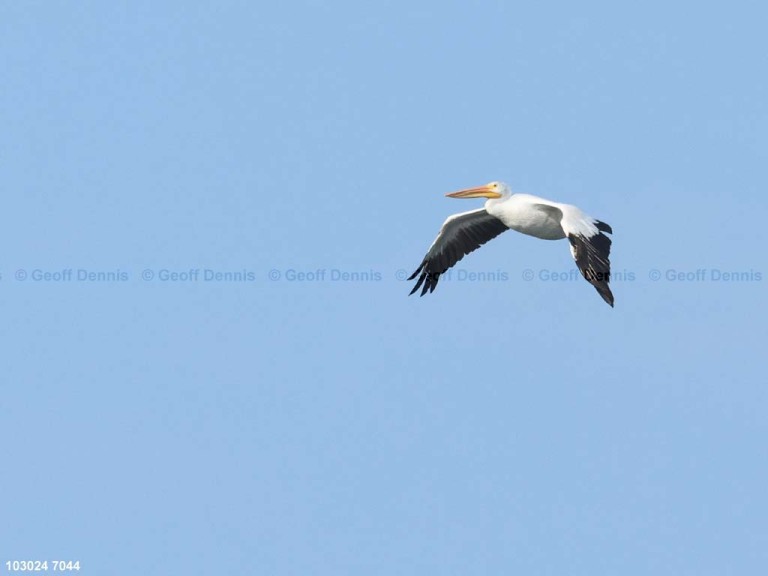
{"x":290,"y":421}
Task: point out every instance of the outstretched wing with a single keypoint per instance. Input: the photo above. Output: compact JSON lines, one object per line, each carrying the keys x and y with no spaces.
{"x":460,"y":235}
{"x":589,"y":246}
{"x":591,"y":255}
{"x":591,"y":249}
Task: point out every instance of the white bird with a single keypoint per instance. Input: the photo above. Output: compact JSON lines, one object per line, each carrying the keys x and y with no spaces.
{"x":465,"y":232}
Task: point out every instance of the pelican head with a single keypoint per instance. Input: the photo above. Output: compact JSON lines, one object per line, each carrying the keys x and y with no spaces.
{"x":491,"y":190}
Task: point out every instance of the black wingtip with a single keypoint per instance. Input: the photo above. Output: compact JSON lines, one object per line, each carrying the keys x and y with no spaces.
{"x":420,"y":280}
{"x":418,"y":284}
{"x":606,"y":293}
{"x":603,"y":227}
{"x":430,"y":282}
{"x":427,"y":281}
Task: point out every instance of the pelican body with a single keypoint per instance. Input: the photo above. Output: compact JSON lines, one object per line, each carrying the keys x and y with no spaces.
{"x":465,"y":232}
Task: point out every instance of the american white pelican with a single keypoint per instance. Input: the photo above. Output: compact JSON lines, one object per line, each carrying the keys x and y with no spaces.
{"x":466,"y":232}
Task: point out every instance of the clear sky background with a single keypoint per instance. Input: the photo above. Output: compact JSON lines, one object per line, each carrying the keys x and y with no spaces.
{"x":294,"y":425}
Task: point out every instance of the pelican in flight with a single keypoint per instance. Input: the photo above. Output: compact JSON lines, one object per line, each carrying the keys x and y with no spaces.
{"x":465,"y":232}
